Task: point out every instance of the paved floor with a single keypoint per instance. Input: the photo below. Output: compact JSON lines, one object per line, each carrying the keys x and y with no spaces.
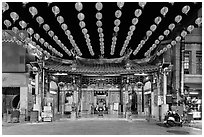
{"x":96,"y":127}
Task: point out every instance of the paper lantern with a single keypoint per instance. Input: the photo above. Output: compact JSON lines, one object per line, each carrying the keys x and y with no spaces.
{"x":101,"y":35}
{"x":156,"y":41}
{"x":154,"y":46}
{"x":172,"y":3}
{"x":33,"y":11}
{"x":86,"y":36}
{"x":23,"y":24}
{"x":178,"y":38}
{"x":60,"y":19}
{"x":67,"y":32}
{"x":132,"y":27}
{"x":186,"y":9}
{"x":55,"y":10}
{"x":130,"y":33}
{"x":99,"y":23}
{"x":7,"y":23}
{"x":5,"y":6}
{"x":99,"y":15}
{"x":198,"y":21}
{"x":173,"y":42}
{"x":55,"y":38}
{"x":168,"y":46}
{"x":166,"y":32}
{"x":101,"y":39}
{"x":142,"y":4}
{"x":161,"y":37}
{"x":46,"y":44}
{"x":84,"y":31}
{"x":164,"y":49}
{"x":14,"y":16}
{"x":78,"y":6}
{"x":22,"y":35}
{"x":15,"y":30}
{"x":171,"y":26}
{"x":128,"y":38}
{"x":100,"y":30}
{"x":120,"y":4}
{"x":46,"y":27}
{"x":51,"y":33}
{"x":153,"y":27}
{"x":117,"y":22}
{"x":183,"y":33}
{"x":64,"y":26}
{"x":40,"y":20}
{"x":134,"y":21}
{"x":157,"y":20}
{"x":80,"y":16}
{"x":99,"y":6}
{"x":36,"y":36}
{"x":178,"y":18}
{"x":138,"y":12}
{"x":190,"y":28}
{"x":118,"y":13}
{"x":41,"y":40}
{"x":116,"y":28}
{"x":148,"y":33}
{"x":164,"y":11}
{"x":142,"y":42}
{"x":82,"y":24}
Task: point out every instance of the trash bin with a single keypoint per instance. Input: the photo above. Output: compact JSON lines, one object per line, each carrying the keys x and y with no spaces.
{"x":34,"y":116}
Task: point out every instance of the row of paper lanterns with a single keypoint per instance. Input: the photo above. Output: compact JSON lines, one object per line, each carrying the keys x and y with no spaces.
{"x":82,"y":24}
{"x":177,"y":19}
{"x":153,"y":27}
{"x":183,"y":34}
{"x":117,"y":22}
{"x":138,"y":13}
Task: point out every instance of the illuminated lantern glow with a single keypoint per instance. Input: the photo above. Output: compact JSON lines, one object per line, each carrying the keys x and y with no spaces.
{"x":117,"y":22}
{"x":5,"y":6}
{"x":172,"y":3}
{"x":64,"y":26}
{"x":60,"y":19}
{"x":161,"y":37}
{"x":178,"y":38}
{"x":36,"y":36}
{"x":134,"y":21}
{"x":153,"y":27}
{"x":14,"y":16}
{"x":99,"y":23}
{"x":22,"y":35}
{"x":130,"y":33}
{"x":101,"y":39}
{"x":156,"y":41}
{"x":86,"y":36}
{"x":100,"y":30}
{"x":164,"y":11}
{"x":23,"y":24}
{"x":82,"y":24}
{"x":183,"y":33}
{"x":168,"y":46}
{"x":173,"y":43}
{"x":165,"y":49}
{"x":142,"y":4}
{"x":138,"y":12}
{"x":33,"y":11}
{"x":99,"y":15}
{"x":99,"y":6}
{"x":142,"y":42}
{"x":67,"y":32}
{"x":84,"y":31}
{"x":178,"y":18}
{"x":55,"y":38}
{"x":186,"y":9}
{"x":190,"y":28}
{"x":80,"y":16}
{"x":157,"y":20}
{"x":132,"y":27}
{"x":149,"y":33}
{"x":118,"y":13}
{"x":78,"y":6}
{"x":120,"y":4}
{"x":154,"y":46}
{"x":7,"y":23}
{"x":46,"y":27}
{"x":51,"y":33}
{"x":198,"y":21}
{"x":46,"y":44}
{"x":166,"y":32}
{"x":55,"y":10}
{"x":15,"y":30}
{"x":40,"y":20}
{"x":128,"y":38}
{"x":101,"y":35}
{"x":41,"y":40}
{"x":171,"y":26}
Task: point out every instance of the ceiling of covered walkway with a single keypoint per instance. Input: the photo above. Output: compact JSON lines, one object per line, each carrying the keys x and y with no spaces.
{"x":94,"y":30}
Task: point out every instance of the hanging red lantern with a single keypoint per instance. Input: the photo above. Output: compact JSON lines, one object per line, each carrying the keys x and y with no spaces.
{"x":22,"y":35}
{"x":173,"y":43}
{"x":99,"y":6}
{"x":5,"y":6}
{"x":117,"y":22}
{"x":171,"y":26}
{"x":15,"y":30}
{"x":153,"y":27}
{"x":148,"y":33}
{"x":67,"y":32}
{"x":134,"y":21}
{"x":161,"y":37}
{"x":186,"y":9}
{"x":84,"y":31}
{"x":51,"y":33}
{"x":183,"y":33}
{"x":82,"y":24}
{"x":30,"y":31}
{"x":80,"y":16}
{"x":166,"y":32}
{"x":164,"y":11}
{"x":7,"y":23}
{"x":41,"y":40}
{"x":23,"y":24}
{"x":142,"y":4}
{"x":99,"y":15}
{"x":138,"y":12}
{"x":168,"y":46}
{"x":178,"y":18}
{"x":33,"y":11}
{"x":64,"y":26}
{"x":55,"y":10}
{"x":78,"y":6}
{"x":14,"y":16}
{"x":178,"y":38}
{"x":120,"y":4}
{"x":198,"y":21}
{"x":99,"y":23}
{"x":118,"y":13}
{"x":132,"y":28}
{"x":190,"y":28}
{"x":157,"y":20}
{"x":46,"y":27}
{"x":55,"y":38}
{"x":36,"y":36}
{"x":40,"y":20}
{"x":60,"y":19}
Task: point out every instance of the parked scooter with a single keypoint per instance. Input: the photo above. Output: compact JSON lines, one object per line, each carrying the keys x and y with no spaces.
{"x":172,"y":119}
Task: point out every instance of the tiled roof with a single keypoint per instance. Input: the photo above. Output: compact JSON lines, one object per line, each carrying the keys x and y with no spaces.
{"x":107,"y":68}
